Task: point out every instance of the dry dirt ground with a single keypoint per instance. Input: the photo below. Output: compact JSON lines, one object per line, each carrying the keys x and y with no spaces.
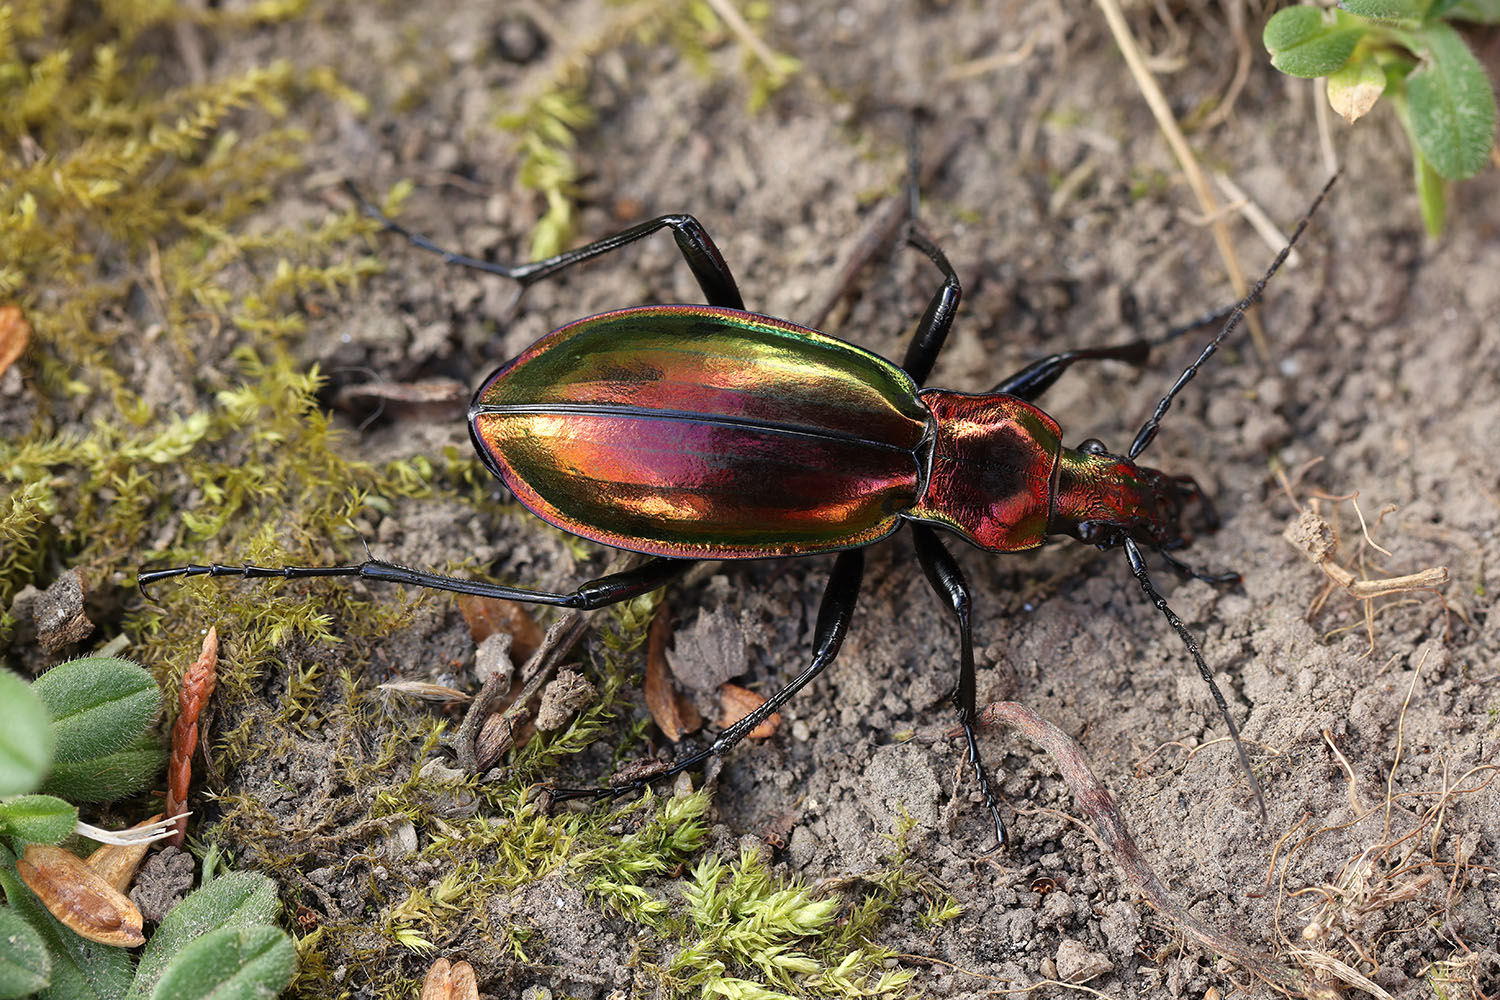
{"x":1067,"y":219}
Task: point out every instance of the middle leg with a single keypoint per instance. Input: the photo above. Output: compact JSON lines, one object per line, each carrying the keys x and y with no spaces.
{"x":948,"y":583}
{"x":834,"y":615}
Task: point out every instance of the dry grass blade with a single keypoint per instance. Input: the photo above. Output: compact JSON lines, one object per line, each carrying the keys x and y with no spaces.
{"x":1110,"y":831}
{"x":1185,"y":158}
{"x":117,"y":863}
{"x":148,"y":832}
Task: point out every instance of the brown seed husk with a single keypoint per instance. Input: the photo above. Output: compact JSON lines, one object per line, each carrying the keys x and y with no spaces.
{"x":80,"y":897}
{"x":450,"y":981}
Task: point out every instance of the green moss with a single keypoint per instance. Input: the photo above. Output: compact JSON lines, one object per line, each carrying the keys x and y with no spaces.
{"x":138,"y":220}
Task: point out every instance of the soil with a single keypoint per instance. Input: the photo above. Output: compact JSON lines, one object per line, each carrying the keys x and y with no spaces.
{"x":1370,"y":723}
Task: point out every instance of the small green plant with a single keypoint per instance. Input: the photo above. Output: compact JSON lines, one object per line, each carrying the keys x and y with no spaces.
{"x":85,"y":730}
{"x":1407,"y":51}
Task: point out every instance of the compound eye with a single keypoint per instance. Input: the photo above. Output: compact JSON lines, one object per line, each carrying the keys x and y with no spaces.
{"x":1093,"y":446}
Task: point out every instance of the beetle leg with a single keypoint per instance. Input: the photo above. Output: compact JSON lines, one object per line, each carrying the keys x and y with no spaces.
{"x":1187,"y":570}
{"x":948,"y":583}
{"x":1036,"y":378}
{"x":611,"y":589}
{"x":697,"y":248}
{"x":932,"y":330}
{"x":834,"y":615}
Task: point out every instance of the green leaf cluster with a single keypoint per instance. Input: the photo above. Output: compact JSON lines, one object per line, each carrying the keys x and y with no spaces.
{"x":89,"y":723}
{"x":82,"y":732}
{"x":102,"y":709}
{"x":219,"y":942}
{"x":1406,"y":51}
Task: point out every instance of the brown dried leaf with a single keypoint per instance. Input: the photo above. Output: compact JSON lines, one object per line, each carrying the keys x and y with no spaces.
{"x":450,"y":981}
{"x":117,"y":863}
{"x":15,"y":334}
{"x":80,"y":897}
{"x":736,"y":702}
{"x":197,"y":687}
{"x":709,"y":650}
{"x":488,"y":615}
{"x":673,"y":713}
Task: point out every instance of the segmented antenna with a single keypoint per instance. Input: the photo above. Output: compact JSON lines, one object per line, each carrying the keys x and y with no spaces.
{"x":1148,"y":430}
{"x":1138,"y":567}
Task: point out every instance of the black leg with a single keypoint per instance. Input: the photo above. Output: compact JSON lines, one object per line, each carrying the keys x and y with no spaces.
{"x":833,"y":624}
{"x":598,"y":593}
{"x":1138,"y":568}
{"x":697,"y":249}
{"x":1187,"y":570}
{"x":948,"y":583}
{"x":1036,"y":378}
{"x":933,"y":328}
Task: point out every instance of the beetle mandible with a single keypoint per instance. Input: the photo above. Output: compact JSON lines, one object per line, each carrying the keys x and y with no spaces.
{"x":689,"y":432}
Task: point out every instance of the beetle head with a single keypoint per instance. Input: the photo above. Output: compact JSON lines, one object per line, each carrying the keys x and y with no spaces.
{"x":1103,"y":499}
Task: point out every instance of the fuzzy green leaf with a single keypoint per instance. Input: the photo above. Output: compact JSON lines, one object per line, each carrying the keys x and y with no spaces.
{"x":98,"y":705}
{"x":38,"y":819}
{"x":1480,"y":11}
{"x":1387,"y":10}
{"x":111,"y":777}
{"x":1304,"y":43}
{"x":1451,"y":105}
{"x":81,"y":970}
{"x":25,"y":737}
{"x":230,"y":963}
{"x":234,"y":900}
{"x":24,"y":965}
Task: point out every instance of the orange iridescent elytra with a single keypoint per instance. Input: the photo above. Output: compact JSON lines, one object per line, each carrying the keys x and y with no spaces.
{"x":707,"y":432}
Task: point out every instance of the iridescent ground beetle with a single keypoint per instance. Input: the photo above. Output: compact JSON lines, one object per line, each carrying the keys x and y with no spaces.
{"x":690,"y":432}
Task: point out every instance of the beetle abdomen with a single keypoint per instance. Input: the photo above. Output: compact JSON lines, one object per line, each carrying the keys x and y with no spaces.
{"x":699,"y":431}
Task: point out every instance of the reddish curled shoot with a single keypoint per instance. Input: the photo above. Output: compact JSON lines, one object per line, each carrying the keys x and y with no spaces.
{"x":197,"y":688}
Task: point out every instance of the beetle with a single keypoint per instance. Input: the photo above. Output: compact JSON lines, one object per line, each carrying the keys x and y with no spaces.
{"x":691,"y":432}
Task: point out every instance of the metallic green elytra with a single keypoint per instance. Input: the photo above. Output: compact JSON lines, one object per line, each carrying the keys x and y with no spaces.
{"x":705,"y":432}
